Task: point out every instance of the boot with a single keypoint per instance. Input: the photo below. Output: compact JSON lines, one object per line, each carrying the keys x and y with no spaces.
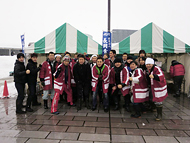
{"x":79,"y":104}
{"x":45,"y":104}
{"x":106,"y":109}
{"x":159,"y":112}
{"x":116,"y":103}
{"x":127,"y":105}
{"x":137,"y":111}
{"x":153,"y":106}
{"x":87,"y":103}
{"x":29,"y":109}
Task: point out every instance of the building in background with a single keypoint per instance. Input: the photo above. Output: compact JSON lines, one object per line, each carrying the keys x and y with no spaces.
{"x":5,"y":51}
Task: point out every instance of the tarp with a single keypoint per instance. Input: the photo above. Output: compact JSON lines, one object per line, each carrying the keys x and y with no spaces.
{"x":152,"y":39}
{"x":65,"y":38}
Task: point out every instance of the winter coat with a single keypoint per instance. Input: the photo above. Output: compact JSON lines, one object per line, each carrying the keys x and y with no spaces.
{"x":19,"y":72}
{"x":105,"y":77}
{"x":158,"y":87}
{"x":46,"y":73}
{"x":124,"y":77}
{"x":177,"y":69}
{"x":82,"y":73}
{"x":32,"y":66}
{"x":72,"y":63}
{"x":139,"y":86}
{"x":107,"y":62}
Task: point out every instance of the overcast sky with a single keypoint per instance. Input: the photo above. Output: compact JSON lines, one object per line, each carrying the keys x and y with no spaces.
{"x":37,"y":18}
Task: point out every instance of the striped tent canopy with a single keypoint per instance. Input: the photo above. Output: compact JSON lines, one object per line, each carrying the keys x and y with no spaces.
{"x":152,"y":39}
{"x":65,"y":38}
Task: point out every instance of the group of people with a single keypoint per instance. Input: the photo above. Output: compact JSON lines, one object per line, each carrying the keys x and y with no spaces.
{"x":140,"y":82}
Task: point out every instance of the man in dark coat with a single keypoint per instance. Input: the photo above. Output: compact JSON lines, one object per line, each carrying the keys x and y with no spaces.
{"x":20,"y":80}
{"x":82,"y":77}
{"x":32,"y":79}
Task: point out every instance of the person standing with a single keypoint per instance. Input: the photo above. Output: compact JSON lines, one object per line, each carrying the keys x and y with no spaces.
{"x":119,"y":80}
{"x":93,"y":59}
{"x":46,"y":78}
{"x":177,"y":72}
{"x":20,"y":79}
{"x":124,"y":59}
{"x":32,"y":79}
{"x":139,"y":89}
{"x":100,"y":80}
{"x":62,"y":83}
{"x":157,"y":86}
{"x":82,"y":77}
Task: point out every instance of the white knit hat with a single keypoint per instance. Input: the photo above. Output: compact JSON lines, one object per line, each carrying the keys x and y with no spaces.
{"x":149,"y":61}
{"x":93,"y":56}
{"x":57,"y":55}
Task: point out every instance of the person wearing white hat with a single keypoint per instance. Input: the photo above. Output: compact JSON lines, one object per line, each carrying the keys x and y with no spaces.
{"x":157,"y":86}
{"x":93,"y":59}
{"x":62,"y":83}
{"x":57,"y":61}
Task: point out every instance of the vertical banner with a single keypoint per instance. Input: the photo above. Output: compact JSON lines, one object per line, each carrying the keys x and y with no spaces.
{"x":106,"y":42}
{"x":22,"y":42}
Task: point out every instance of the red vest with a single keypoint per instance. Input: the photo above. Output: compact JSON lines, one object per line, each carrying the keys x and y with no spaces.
{"x":159,"y":88}
{"x":124,"y":76}
{"x":139,"y":86}
{"x":46,"y":74}
{"x":105,"y":78}
{"x":59,"y":82}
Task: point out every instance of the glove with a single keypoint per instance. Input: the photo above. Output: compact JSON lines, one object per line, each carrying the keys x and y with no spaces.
{"x":43,"y":83}
{"x":100,"y":77}
{"x":42,"y":79}
{"x":59,"y":69}
{"x":40,"y":65}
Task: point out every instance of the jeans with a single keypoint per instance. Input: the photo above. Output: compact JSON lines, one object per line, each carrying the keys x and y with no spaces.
{"x":46,"y":93}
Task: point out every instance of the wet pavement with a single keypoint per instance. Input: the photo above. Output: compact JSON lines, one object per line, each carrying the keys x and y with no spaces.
{"x":88,"y":126}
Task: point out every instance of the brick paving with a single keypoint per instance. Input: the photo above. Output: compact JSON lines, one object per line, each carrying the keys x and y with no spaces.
{"x":86,"y":126}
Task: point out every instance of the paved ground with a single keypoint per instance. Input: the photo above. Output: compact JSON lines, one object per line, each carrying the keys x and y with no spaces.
{"x":88,"y":126}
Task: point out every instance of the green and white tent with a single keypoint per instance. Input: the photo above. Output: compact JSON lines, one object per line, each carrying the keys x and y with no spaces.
{"x":152,"y":39}
{"x":65,"y":38}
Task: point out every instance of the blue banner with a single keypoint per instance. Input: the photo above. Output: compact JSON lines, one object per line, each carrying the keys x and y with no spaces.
{"x":22,"y":42}
{"x":106,"y":42}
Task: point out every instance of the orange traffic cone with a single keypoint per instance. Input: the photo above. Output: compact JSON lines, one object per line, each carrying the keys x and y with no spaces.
{"x":5,"y":90}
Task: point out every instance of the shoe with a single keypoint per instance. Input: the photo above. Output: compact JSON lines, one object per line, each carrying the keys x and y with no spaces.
{"x":93,"y":108}
{"x":176,"y":95}
{"x":28,"y":109}
{"x":106,"y":109}
{"x":21,"y":112}
{"x":116,"y":107}
{"x":135,"y":115}
{"x":55,"y":113}
{"x":69,"y":104}
{"x":36,"y":104}
{"x":45,"y":104}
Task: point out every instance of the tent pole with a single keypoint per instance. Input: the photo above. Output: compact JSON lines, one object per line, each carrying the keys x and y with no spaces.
{"x":109,"y":13}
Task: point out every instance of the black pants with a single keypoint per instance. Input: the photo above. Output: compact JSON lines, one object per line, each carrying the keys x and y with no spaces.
{"x":74,"y":92}
{"x":83,"y":90}
{"x":111,"y":98}
{"x":20,"y":89}
{"x":116,"y":96}
{"x":177,"y":84}
{"x":32,"y":97}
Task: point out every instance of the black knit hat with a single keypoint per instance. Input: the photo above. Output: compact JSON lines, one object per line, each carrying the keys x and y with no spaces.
{"x":81,"y":56}
{"x":117,"y":60}
{"x":142,"y":51}
{"x":129,"y":57}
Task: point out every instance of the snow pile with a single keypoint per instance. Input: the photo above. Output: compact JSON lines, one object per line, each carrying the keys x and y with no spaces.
{"x":11,"y":89}
{"x":7,"y":65}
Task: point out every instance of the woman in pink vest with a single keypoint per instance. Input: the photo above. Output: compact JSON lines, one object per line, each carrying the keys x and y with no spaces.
{"x":139,"y":88}
{"x":157,"y":85}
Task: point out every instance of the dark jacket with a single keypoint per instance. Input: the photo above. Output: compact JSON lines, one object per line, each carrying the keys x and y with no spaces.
{"x":19,"y":72}
{"x":82,"y":73}
{"x":32,"y":66}
{"x":177,"y":69}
